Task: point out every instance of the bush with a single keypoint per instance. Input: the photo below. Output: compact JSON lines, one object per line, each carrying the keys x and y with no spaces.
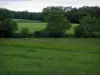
{"x":56,"y":34}
{"x":47,"y":34}
{"x":89,"y":27}
{"x":41,"y":34}
{"x":69,"y":35}
{"x":17,"y":35}
{"x":79,"y":32}
{"x":37,"y":33}
{"x":25,"y":32}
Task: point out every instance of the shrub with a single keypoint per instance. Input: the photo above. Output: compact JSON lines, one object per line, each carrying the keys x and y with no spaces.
{"x":47,"y":34}
{"x":17,"y":35}
{"x":69,"y":35}
{"x":79,"y":32}
{"x":37,"y":33}
{"x":25,"y":32}
{"x":56,"y":34}
{"x":89,"y":27}
{"x":41,"y":34}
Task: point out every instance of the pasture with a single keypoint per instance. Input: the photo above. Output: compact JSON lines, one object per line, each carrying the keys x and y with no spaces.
{"x":34,"y":25}
{"x":31,"y":26}
{"x":48,"y":56}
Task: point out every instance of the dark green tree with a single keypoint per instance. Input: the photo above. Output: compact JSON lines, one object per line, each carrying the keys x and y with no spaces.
{"x":7,"y":26}
{"x":89,"y":27}
{"x":57,"y":22}
{"x":75,"y":16}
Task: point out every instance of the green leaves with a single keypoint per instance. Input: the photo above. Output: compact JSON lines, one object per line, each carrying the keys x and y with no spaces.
{"x":90,"y":26}
{"x":7,"y":26}
{"x":25,"y":32}
{"x":55,"y":16}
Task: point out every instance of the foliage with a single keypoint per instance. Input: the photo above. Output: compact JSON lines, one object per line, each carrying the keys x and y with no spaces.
{"x":25,"y":32}
{"x":7,"y":26}
{"x":56,"y":34}
{"x":57,"y":21}
{"x":79,"y":32}
{"x":92,"y":11}
{"x":27,"y":15}
{"x":89,"y":27}
{"x":73,"y":14}
{"x":37,"y":34}
{"x":55,"y":17}
{"x":47,"y":34}
{"x":98,"y":26}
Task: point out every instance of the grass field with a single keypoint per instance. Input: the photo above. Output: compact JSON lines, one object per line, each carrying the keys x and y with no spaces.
{"x":40,"y":26}
{"x":67,"y":56}
{"x":34,"y":25}
{"x":31,"y":26}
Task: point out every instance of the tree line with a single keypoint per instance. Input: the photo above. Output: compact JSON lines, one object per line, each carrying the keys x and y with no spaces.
{"x":27,"y":15}
{"x":58,"y":23}
{"x":58,"y":20}
{"x":73,"y":14}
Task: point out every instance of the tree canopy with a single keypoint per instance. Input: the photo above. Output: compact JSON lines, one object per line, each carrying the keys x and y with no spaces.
{"x":7,"y":26}
{"x":89,"y":27}
{"x":55,"y":17}
{"x":73,"y":14}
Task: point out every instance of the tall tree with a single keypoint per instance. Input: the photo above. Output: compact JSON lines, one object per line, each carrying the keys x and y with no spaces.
{"x":55,"y":17}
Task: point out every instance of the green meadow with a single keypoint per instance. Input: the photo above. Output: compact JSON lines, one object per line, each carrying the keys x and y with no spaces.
{"x":42,"y":56}
{"x":31,"y":26}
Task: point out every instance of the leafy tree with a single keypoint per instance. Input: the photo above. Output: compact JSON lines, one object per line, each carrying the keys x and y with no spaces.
{"x":89,"y":27}
{"x":75,"y":16}
{"x":7,"y":26}
{"x":55,"y":17}
{"x":92,"y":11}
{"x":89,"y":24}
